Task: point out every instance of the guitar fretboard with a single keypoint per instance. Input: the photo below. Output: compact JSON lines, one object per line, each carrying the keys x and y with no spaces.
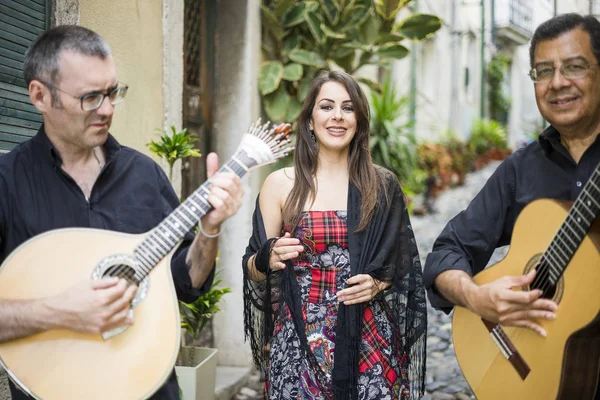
{"x":573,"y":230}
{"x":172,"y":229}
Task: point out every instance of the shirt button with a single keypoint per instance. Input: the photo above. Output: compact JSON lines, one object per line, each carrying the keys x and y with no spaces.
{"x":578,"y":183}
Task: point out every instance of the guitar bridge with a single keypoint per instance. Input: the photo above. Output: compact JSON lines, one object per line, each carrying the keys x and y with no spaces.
{"x":507,"y":348}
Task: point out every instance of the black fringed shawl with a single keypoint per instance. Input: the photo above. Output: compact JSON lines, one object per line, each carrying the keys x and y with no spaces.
{"x":387,"y":250}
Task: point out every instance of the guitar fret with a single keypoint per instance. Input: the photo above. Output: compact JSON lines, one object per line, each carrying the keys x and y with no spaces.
{"x":592,"y":213}
{"x":563,"y":232}
{"x":192,"y":210}
{"x":553,"y":266}
{"x":159,"y":241}
{"x":151,"y":252}
{"x":594,"y":200}
{"x":188,"y":216}
{"x":149,"y":255}
{"x":182,"y":216}
{"x":175,"y":226}
{"x":564,"y":246}
{"x":229,"y":168}
{"x":143,"y":257}
{"x":567,"y":224}
{"x":581,"y":216}
{"x":239,"y":163}
{"x":591,"y":182}
{"x":564,"y":258}
{"x":202,"y":199}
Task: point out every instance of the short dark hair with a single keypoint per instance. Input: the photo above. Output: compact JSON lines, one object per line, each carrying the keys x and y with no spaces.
{"x":556,"y":26}
{"x":42,"y":58}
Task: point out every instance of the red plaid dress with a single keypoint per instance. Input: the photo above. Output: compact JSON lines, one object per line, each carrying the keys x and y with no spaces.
{"x":322,"y":270}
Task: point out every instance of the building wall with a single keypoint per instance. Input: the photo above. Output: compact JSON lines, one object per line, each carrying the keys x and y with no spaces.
{"x":237,"y":105}
{"x":448,"y":68}
{"x":135,"y":34}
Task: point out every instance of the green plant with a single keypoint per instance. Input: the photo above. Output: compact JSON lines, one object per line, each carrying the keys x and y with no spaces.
{"x":495,"y":73}
{"x":486,"y":135}
{"x":174,"y":146}
{"x":392,"y":144}
{"x":195,"y":316}
{"x":300,"y":38}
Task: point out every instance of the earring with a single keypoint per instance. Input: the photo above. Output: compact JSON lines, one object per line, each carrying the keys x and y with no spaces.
{"x":313,"y":137}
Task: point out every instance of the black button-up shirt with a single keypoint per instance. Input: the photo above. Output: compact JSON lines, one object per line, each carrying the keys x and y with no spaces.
{"x":132,"y":194}
{"x":543,"y":169}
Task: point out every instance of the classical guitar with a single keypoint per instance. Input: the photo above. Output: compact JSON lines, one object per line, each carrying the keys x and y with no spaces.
{"x":561,"y":240}
{"x":128,"y":362}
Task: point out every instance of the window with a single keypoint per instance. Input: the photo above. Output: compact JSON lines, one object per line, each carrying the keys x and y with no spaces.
{"x":21,"y":22}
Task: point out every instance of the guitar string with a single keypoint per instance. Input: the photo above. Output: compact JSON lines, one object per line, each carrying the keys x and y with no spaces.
{"x":545,"y":268}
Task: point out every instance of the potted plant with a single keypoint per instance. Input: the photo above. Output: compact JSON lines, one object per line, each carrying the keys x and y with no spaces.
{"x":174,"y":146}
{"x":197,"y":366}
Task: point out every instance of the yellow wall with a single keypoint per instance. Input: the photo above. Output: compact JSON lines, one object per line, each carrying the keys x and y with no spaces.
{"x":133,"y":29}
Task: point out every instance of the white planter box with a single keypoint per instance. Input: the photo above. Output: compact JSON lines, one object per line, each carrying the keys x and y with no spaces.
{"x":198,"y":382}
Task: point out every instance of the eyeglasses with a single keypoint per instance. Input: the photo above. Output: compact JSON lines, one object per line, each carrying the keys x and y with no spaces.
{"x":571,"y":70}
{"x":93,"y":101}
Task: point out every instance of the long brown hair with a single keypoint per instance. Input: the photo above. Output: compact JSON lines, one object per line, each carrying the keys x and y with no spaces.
{"x":361,"y":169}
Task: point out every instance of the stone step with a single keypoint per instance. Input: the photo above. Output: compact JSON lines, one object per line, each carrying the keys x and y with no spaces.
{"x":230,"y":380}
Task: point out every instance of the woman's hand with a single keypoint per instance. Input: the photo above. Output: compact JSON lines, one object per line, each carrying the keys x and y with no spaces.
{"x":285,"y":248}
{"x":364,"y":288}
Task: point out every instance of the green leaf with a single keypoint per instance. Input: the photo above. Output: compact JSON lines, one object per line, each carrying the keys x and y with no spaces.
{"x":294,"y":15}
{"x":358,"y":15}
{"x":294,"y":110}
{"x":311,"y":6}
{"x":292,"y":72}
{"x":418,"y":26}
{"x":306,"y":57}
{"x":392,"y":50}
{"x":269,"y":76}
{"x":303,"y":88}
{"x":374,"y":86}
{"x":281,"y":6}
{"x":331,"y":9}
{"x":276,"y":104}
{"x":341,"y":52}
{"x":389,"y":37}
{"x":314,"y":25}
{"x":290,"y":42}
{"x":389,"y":8}
{"x":357,"y":46}
{"x":331,"y":33}
{"x":369,"y":30}
{"x":270,"y":21}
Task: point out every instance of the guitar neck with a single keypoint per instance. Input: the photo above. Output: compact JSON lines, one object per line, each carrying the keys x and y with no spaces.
{"x":573,"y":230}
{"x":182,"y":220}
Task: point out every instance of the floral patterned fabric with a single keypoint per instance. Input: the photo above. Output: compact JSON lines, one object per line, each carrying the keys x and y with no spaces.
{"x":321,"y":270}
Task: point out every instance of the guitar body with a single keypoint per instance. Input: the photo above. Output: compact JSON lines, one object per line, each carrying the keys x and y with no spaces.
{"x":61,"y":364}
{"x":565,"y":364}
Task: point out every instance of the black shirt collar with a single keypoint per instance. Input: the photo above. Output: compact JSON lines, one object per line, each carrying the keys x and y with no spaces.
{"x":44,"y":148}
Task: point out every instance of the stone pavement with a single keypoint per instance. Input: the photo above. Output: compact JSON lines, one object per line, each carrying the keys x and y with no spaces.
{"x":444,"y":380}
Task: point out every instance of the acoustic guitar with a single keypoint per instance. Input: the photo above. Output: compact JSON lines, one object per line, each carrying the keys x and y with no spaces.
{"x":561,"y":240}
{"x":128,"y":362}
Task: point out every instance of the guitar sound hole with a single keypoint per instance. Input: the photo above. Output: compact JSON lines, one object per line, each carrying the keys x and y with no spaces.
{"x":122,"y":271}
{"x":544,"y":278}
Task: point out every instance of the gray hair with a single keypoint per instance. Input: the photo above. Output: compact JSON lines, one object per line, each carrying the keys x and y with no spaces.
{"x":42,"y":58}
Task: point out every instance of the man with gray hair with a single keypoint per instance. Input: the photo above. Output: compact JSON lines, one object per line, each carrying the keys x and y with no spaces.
{"x":73,"y":173}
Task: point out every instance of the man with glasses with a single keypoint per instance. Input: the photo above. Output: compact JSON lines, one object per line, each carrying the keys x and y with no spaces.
{"x":73,"y":173}
{"x":564,"y":56}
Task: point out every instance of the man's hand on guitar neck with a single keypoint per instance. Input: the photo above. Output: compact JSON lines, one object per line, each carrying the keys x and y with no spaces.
{"x":496,"y":301}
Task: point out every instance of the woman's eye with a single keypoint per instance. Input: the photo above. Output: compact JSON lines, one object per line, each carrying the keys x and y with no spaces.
{"x":348,"y":109}
{"x":325,"y":107}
